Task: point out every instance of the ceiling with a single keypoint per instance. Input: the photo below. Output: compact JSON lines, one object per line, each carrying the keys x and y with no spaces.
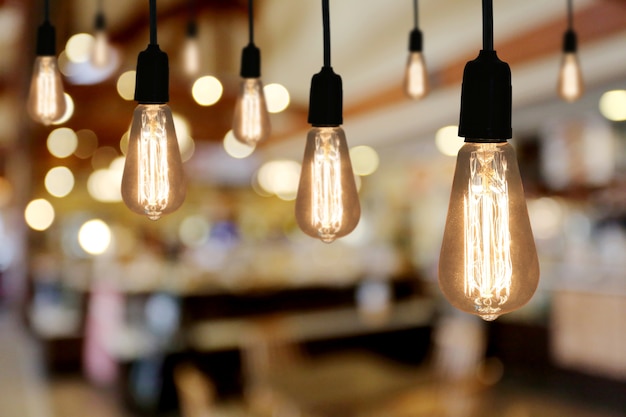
{"x":369,"y":48}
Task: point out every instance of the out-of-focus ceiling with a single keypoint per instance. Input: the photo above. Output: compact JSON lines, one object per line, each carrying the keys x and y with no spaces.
{"x":369,"y":48}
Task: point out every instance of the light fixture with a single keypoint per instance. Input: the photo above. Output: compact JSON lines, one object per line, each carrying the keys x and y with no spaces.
{"x":415,"y":76}
{"x":570,"y":84}
{"x":251,"y":121}
{"x":153,"y":182}
{"x":101,"y":53}
{"x":488,"y":264}
{"x":327,"y":202}
{"x":191,"y":49}
{"x":46,"y":100}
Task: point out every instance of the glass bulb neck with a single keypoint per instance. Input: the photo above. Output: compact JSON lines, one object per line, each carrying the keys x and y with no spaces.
{"x":486,"y":98}
{"x":326,"y":99}
{"x":152,"y":77}
{"x":250,"y":61}
{"x":46,"y":39}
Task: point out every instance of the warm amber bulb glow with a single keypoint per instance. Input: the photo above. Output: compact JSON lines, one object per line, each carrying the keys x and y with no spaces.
{"x":46,"y":101}
{"x":488,"y":264}
{"x":100,"y":53}
{"x":327,"y":204}
{"x":416,"y":77}
{"x":191,"y":56}
{"x":251,"y":121}
{"x":570,"y":85}
{"x":153,"y":182}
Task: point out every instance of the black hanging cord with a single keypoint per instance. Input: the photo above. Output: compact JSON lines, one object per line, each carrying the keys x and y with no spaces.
{"x":192,"y":27}
{"x":251,"y":20}
{"x":153,"y":25}
{"x":488,"y":25}
{"x":570,"y":14}
{"x":46,"y":10}
{"x":326,"y":25}
{"x":415,"y":14}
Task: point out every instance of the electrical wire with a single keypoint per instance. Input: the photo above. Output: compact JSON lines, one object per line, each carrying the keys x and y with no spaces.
{"x":415,"y":14}
{"x":326,"y":25}
{"x":488,"y":25}
{"x":251,"y":20}
{"x":570,"y":14}
{"x":153,"y":24}
{"x":46,"y":10}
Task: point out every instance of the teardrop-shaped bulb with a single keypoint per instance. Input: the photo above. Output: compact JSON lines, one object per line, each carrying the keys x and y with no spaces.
{"x":191,"y":56}
{"x":101,"y":52}
{"x":570,"y":84}
{"x":416,"y":77}
{"x":46,"y":101}
{"x":488,"y":264}
{"x":327,"y":203}
{"x":153,"y":182}
{"x":251,"y":120}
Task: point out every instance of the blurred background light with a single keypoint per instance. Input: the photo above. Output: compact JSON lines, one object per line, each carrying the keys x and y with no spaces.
{"x":39,"y":214}
{"x":62,"y":142}
{"x":59,"y":181}
{"x":235,"y":148}
{"x":364,"y":159}
{"x":94,"y":237}
{"x":126,"y":85}
{"x":207,"y":90}
{"x":448,"y":141}
{"x":276,"y":97}
{"x":613,"y":105}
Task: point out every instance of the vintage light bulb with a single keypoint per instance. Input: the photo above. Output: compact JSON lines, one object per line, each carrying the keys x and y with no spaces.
{"x":153,"y":182}
{"x":101,"y":51}
{"x":416,"y":84}
{"x":251,"y":120}
{"x":488,"y":264}
{"x":191,"y":50}
{"x":570,"y":84}
{"x":327,"y":204}
{"x":46,"y":100}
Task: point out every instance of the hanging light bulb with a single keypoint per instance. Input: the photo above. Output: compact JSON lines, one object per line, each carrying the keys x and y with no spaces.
{"x":100,"y":54}
{"x":327,"y":203}
{"x":415,"y":76}
{"x":191,"y":49}
{"x":251,"y":120}
{"x":488,"y":264}
{"x":46,"y":99}
{"x":153,"y":182}
{"x":570,"y":84}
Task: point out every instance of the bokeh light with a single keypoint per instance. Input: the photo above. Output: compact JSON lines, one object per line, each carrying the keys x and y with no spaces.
{"x":186,"y":144}
{"x":69,"y":110}
{"x":613,"y":105}
{"x":62,"y":142}
{"x":364,"y":159}
{"x":104,"y":185}
{"x":78,"y":47}
{"x":126,"y":85}
{"x":94,"y":237}
{"x":59,"y":181}
{"x":280,"y":177}
{"x":235,"y":148}
{"x":39,"y":214}
{"x":276,"y":97}
{"x":87,"y":143}
{"x":193,"y":231}
{"x":207,"y":90}
{"x":448,"y":141}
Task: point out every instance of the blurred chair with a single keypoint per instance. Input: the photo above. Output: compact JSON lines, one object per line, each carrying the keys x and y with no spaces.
{"x":196,"y":393}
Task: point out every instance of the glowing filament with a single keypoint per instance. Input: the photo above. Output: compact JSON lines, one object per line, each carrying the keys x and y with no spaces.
{"x":251,"y":120}
{"x":570,"y":85}
{"x":327,"y":191}
{"x":154,"y":186}
{"x":46,"y":101}
{"x":488,"y":266}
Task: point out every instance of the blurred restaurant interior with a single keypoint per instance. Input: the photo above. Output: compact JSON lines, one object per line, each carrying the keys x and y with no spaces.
{"x":225,"y":307}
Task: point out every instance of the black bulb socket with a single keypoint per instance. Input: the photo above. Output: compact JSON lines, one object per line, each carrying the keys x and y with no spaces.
{"x":192,"y":29}
{"x":486,"y":100}
{"x":152,"y":77}
{"x":570,"y":41}
{"x":99,"y":22}
{"x":415,"y":40}
{"x":250,"y":62}
{"x":326,"y":99}
{"x":46,"y":39}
